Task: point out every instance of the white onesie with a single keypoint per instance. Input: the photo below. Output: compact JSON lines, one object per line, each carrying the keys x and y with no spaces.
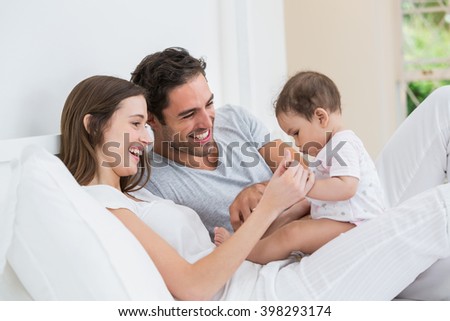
{"x":345,"y":155}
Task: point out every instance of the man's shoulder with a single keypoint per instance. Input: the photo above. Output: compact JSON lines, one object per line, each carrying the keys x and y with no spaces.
{"x":235,"y":109}
{"x":237,"y":117}
{"x":232,"y":113}
{"x":161,"y":165}
{"x":236,"y":123}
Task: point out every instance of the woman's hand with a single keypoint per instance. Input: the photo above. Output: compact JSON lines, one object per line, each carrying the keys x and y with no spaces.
{"x":289,"y":184}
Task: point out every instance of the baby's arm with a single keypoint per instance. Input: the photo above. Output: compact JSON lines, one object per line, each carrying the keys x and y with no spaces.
{"x":338,"y":188}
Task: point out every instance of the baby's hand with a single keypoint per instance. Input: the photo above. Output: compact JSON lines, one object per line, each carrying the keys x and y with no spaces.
{"x":289,"y":184}
{"x":291,"y":163}
{"x":310,"y":179}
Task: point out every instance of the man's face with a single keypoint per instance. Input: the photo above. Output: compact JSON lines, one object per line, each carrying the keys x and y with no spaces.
{"x":189,"y":120}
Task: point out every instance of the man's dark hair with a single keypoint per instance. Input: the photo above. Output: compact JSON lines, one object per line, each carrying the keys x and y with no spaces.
{"x":161,"y":72}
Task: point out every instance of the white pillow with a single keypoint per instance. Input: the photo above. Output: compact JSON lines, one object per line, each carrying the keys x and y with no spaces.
{"x":10,"y":287}
{"x":66,"y":246}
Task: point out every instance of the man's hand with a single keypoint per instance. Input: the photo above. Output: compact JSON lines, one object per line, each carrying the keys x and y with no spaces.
{"x":244,"y":203}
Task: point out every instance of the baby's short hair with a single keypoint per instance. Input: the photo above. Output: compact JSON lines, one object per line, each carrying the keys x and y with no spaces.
{"x":306,"y":91}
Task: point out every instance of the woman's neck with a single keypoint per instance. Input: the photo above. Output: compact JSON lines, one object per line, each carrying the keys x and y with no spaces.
{"x":106,"y":177}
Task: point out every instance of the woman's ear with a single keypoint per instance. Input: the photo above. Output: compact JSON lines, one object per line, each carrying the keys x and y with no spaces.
{"x":86,"y":122}
{"x":322,"y":115}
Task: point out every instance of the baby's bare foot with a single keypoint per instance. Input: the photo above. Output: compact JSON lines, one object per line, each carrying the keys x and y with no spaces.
{"x":220,"y":235}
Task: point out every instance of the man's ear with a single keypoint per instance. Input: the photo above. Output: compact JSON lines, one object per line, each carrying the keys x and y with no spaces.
{"x":153,"y":121}
{"x":322,"y":115}
{"x":86,"y":122}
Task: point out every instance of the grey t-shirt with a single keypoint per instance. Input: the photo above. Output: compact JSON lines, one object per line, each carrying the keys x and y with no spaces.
{"x":239,"y":135}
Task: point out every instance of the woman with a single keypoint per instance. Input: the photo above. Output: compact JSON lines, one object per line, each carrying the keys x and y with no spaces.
{"x":103,"y":145}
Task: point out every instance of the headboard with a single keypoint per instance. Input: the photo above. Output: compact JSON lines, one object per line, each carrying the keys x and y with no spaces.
{"x":11,"y":148}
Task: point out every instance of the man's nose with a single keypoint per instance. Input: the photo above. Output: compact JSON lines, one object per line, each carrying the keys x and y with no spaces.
{"x":205,"y":120}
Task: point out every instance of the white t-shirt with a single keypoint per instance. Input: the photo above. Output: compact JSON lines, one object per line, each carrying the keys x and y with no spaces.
{"x":182,"y":228}
{"x":345,"y":155}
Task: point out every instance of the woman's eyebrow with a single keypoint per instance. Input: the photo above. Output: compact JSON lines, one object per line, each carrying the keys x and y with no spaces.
{"x":137,"y":115}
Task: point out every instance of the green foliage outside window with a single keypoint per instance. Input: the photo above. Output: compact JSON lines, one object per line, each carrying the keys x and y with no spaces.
{"x":426,"y":48}
{"x":421,"y":89}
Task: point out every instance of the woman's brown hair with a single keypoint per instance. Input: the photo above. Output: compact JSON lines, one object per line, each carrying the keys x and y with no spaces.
{"x":98,"y":96}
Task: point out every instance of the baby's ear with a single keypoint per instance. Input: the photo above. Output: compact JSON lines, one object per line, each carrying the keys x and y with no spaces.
{"x":322,"y":115}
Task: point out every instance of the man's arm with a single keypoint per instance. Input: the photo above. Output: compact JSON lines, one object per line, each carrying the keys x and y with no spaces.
{"x":244,"y":203}
{"x":249,"y":197}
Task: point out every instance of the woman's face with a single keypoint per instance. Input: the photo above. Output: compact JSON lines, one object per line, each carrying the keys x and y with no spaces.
{"x":124,"y":138}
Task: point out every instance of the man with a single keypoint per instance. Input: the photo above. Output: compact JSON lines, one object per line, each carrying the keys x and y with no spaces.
{"x":214,"y":161}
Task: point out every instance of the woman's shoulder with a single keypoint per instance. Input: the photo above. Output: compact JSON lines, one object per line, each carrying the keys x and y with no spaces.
{"x":110,"y":197}
{"x":145,"y":195}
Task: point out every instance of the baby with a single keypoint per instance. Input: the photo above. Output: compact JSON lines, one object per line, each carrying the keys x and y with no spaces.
{"x":346,"y":191}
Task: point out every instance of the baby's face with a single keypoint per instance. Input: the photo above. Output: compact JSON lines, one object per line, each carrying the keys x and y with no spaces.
{"x":310,"y":136}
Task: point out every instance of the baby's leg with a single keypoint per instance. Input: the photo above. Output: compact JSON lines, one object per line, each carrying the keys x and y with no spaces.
{"x":302,"y":235}
{"x":220,"y":235}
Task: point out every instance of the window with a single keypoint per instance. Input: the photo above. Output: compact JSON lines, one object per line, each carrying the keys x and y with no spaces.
{"x":426,"y":48}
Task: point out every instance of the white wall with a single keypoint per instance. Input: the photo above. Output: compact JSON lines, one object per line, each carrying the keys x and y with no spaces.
{"x":48,"y":46}
{"x":254,"y":54}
